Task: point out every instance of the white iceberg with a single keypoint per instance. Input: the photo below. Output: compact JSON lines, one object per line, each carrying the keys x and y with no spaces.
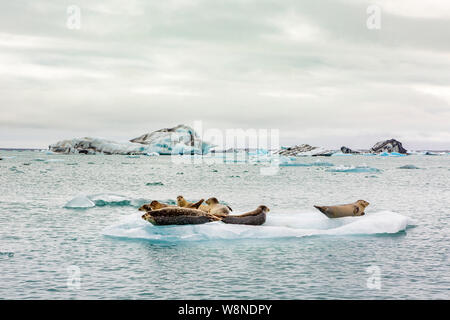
{"x":278,"y":225}
{"x":90,"y":145}
{"x":181,"y":139}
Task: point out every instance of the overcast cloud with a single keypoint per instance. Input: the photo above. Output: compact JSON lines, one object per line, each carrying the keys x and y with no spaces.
{"x":311,"y":69}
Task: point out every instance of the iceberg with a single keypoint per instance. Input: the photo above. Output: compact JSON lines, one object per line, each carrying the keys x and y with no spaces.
{"x":90,"y":145}
{"x":181,"y":139}
{"x":388,"y":146}
{"x":107,"y":199}
{"x":305,"y":150}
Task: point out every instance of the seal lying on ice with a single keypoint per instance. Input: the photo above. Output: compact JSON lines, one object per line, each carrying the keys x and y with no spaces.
{"x":217,"y":209}
{"x":154,"y":205}
{"x":177,"y":215}
{"x":344,"y":210}
{"x":255,"y":218}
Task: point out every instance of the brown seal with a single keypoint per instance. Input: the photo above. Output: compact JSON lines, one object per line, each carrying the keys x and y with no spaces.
{"x":344,"y":210}
{"x":176,"y":220}
{"x":178,"y":215}
{"x":154,"y":205}
{"x":217,"y":209}
{"x":255,"y":218}
{"x":181,"y":202}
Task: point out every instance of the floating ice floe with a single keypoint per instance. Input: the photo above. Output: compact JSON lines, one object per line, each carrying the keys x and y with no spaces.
{"x":54,"y":160}
{"x":276,"y":226}
{"x":361,"y":168}
{"x":392,"y":154}
{"x":311,"y":164}
{"x":341,"y":154}
{"x":80,"y":202}
{"x":105,"y":199}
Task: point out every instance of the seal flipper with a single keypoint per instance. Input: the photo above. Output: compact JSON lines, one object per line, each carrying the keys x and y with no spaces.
{"x":324,"y":210}
{"x":321,"y":209}
{"x":197,"y":204}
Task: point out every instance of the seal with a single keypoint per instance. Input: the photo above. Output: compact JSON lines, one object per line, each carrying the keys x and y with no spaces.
{"x":181,"y":202}
{"x":256,"y":217}
{"x":178,"y":216}
{"x":175,"y":220}
{"x":154,"y":205}
{"x":344,"y":210}
{"x":217,"y":209}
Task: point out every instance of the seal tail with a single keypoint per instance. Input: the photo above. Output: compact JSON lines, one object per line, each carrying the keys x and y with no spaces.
{"x":321,"y":209}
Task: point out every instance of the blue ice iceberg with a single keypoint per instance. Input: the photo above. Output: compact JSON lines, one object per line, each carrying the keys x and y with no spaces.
{"x":392,"y":154}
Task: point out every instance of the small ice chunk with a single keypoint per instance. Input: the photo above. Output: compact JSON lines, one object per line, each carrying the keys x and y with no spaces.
{"x":80,"y":202}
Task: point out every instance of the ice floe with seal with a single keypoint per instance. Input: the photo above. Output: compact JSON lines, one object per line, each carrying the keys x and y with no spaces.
{"x":356,"y":169}
{"x":281,"y":225}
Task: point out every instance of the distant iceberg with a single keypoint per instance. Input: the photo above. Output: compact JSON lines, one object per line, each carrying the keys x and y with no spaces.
{"x":181,"y":139}
{"x":304,"y":150}
{"x":388,"y":146}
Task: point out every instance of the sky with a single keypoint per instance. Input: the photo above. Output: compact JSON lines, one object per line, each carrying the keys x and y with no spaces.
{"x":312,"y":69}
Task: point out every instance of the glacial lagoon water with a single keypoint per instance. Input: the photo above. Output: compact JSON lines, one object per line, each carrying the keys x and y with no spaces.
{"x":70,"y":229}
